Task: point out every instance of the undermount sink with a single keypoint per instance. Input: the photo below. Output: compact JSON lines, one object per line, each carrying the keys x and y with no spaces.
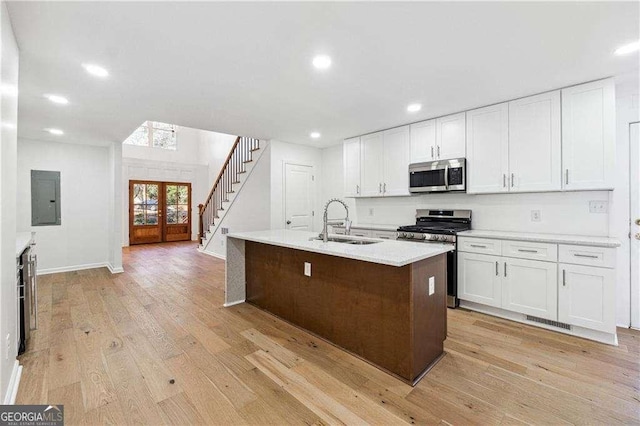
{"x":347,"y":241}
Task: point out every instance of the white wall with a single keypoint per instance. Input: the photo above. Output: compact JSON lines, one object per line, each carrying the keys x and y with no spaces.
{"x":115,"y":207}
{"x":566,"y":213}
{"x":199,"y":156}
{"x":82,"y":240}
{"x":250,"y":211}
{"x":8,"y":118}
{"x":281,"y":154}
{"x":626,"y":112}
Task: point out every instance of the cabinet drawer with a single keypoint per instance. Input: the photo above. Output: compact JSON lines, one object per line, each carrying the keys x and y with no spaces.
{"x":479,"y":245}
{"x":385,"y":235}
{"x":529,"y":250}
{"x":604,"y":257}
{"x":337,"y":230}
{"x":360,"y":232}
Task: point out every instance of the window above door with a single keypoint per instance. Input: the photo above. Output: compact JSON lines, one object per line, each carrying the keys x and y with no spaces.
{"x":154,"y":134}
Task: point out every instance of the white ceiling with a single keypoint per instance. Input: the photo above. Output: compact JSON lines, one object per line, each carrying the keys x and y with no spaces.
{"x":245,"y":68}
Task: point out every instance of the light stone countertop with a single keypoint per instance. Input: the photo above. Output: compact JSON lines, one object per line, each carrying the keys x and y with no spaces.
{"x":580,"y":240}
{"x":23,"y":239}
{"x":386,"y":252}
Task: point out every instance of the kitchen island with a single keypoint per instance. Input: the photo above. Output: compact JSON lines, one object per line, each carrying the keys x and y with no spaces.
{"x":383,"y":301}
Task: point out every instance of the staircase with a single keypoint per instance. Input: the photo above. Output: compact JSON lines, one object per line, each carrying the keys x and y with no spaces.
{"x":229,"y":178}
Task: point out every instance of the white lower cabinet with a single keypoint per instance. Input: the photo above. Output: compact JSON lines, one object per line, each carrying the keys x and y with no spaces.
{"x":479,"y":278}
{"x":586,"y":297}
{"x":530,"y":287}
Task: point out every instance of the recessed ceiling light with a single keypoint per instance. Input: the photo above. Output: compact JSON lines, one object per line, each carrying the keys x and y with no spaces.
{"x":57,"y":99}
{"x":57,"y":132}
{"x":628,"y":48}
{"x":96,"y":70}
{"x":9,"y":89}
{"x":322,"y":62}
{"x":314,"y":135}
{"x":414,"y":107}
{"x":8,"y":125}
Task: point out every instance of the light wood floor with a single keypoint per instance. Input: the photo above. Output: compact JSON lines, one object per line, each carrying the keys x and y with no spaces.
{"x":154,"y":346}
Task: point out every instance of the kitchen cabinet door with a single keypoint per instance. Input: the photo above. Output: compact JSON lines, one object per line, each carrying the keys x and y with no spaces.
{"x":371,"y":164}
{"x":530,"y":287}
{"x":588,"y":136}
{"x":450,"y":136}
{"x":351,"y":161}
{"x":488,"y":149}
{"x":396,"y":161}
{"x":423,"y":141}
{"x":586,"y":297}
{"x":534,"y":143}
{"x":479,"y":278}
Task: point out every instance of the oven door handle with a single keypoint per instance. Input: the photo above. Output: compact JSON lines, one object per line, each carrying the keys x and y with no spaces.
{"x":446,"y":177}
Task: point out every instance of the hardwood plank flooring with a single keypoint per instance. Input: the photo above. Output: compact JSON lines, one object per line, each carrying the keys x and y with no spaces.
{"x":155,"y":346}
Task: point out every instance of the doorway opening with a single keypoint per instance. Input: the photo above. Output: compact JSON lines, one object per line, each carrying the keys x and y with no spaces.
{"x":634,"y":202}
{"x":159,"y":211}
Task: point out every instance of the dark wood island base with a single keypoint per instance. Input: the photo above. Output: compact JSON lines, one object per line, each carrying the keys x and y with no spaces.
{"x":382,"y":314}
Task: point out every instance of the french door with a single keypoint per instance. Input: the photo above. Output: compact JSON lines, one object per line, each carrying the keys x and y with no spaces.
{"x":159,"y":211}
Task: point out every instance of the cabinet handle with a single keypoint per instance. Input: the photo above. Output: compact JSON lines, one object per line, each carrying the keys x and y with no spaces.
{"x":438,"y":151}
{"x":512,"y":180}
{"x":497,"y":272}
{"x":528,"y":251}
{"x":380,"y":188}
{"x":566,"y":177}
{"x":357,"y":189}
{"x":477,"y":246}
{"x":504,"y":180}
{"x":505,"y":269}
{"x":590,"y":256}
{"x":432,"y":152}
{"x":384,"y":187}
{"x":564,"y":278}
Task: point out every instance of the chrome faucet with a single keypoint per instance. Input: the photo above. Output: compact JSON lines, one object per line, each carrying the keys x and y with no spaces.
{"x":347,"y":223}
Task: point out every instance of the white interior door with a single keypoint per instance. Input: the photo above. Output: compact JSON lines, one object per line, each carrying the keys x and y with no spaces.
{"x":298,"y":197}
{"x":634,"y":199}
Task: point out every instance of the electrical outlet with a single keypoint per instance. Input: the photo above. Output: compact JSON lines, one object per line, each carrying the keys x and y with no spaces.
{"x":371,"y":212}
{"x":535,"y":216}
{"x":598,"y":206}
{"x":307,"y":269}
{"x":432,"y":285}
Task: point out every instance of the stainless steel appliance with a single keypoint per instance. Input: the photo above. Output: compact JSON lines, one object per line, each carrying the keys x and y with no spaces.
{"x":27,"y":296}
{"x":438,"y":176}
{"x":440,"y":226}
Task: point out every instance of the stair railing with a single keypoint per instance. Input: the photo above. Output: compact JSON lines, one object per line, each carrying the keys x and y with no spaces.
{"x":240,"y":154}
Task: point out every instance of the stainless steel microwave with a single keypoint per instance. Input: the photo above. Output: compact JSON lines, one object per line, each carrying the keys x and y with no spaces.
{"x":438,"y":176}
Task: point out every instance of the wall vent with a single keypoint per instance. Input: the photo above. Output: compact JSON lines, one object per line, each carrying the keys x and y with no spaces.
{"x":224,"y":231}
{"x":549,"y":322}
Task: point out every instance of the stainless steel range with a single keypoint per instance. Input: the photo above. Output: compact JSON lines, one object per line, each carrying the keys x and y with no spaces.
{"x":440,"y":226}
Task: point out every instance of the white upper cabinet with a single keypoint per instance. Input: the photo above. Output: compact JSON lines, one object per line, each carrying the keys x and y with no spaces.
{"x":588,"y":136}
{"x":371,"y":164}
{"x":423,"y":141}
{"x":396,"y":161}
{"x":450,"y":136}
{"x":351,"y":165}
{"x":488,"y":149}
{"x":534,"y":143}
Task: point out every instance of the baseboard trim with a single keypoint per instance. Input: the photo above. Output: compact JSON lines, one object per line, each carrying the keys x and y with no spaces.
{"x":115,"y":270}
{"x":237,"y":302}
{"x":14,"y":383}
{"x":73,"y":268}
{"x":216,"y":255}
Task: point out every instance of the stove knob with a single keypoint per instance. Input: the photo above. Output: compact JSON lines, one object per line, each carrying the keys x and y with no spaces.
{"x":402,"y":235}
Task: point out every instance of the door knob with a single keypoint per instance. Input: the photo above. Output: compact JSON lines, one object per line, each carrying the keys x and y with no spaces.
{"x":638,"y":236}
{"x":288,"y":222}
{"x":638,"y":221}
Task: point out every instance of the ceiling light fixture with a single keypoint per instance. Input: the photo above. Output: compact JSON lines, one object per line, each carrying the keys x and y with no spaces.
{"x":57,"y":99}
{"x":628,"y":48}
{"x":56,"y":132}
{"x":96,"y":70}
{"x":414,"y":107}
{"x":314,"y":135}
{"x":9,"y":89}
{"x":322,"y":62}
